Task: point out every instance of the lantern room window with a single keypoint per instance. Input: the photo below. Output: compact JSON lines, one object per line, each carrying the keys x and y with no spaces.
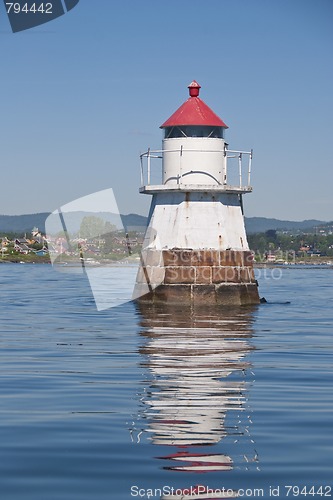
{"x":194,"y":131}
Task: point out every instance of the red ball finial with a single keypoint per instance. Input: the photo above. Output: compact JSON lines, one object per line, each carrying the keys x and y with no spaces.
{"x":194,"y":89}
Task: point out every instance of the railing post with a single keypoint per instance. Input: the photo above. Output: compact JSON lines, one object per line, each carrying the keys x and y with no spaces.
{"x":141,"y":171}
{"x":224,"y":171}
{"x":249,"y":172}
{"x":148,"y":166}
{"x":240,"y":169}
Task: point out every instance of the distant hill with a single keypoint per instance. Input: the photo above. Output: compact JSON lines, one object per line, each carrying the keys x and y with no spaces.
{"x":25,"y":223}
{"x":22,"y":223}
{"x":261,"y":224}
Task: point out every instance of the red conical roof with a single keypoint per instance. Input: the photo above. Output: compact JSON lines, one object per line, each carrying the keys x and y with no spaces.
{"x":194,"y":112}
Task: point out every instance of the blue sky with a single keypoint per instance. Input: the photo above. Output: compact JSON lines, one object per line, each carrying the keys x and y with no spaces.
{"x":83,"y":95}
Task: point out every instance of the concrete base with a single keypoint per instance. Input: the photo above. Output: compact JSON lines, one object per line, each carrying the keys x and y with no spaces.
{"x":197,"y":277}
{"x":203,"y":295}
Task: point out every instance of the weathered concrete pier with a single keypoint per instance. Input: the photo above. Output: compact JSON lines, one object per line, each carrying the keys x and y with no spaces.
{"x":195,"y":250}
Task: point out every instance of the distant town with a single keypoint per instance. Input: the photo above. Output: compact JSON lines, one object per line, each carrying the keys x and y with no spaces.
{"x":96,"y":241}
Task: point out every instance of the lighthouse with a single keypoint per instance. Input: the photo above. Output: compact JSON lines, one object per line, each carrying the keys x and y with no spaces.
{"x":195,"y":250}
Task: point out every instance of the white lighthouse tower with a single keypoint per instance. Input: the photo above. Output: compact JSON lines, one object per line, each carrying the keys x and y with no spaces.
{"x":195,"y":250}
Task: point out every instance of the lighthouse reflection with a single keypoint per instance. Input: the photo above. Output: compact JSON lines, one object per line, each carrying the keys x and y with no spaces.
{"x":198,"y":376}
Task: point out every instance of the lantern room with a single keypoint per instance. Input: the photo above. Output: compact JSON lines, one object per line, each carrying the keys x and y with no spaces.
{"x":194,"y":152}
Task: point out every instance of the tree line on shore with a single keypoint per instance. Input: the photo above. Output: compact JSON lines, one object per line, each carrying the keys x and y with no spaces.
{"x":302,"y":244}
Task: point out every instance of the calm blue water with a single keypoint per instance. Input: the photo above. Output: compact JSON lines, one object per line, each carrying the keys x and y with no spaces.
{"x":96,"y":403}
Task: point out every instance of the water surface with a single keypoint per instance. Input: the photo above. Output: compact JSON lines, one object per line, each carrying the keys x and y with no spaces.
{"x":94,"y":403}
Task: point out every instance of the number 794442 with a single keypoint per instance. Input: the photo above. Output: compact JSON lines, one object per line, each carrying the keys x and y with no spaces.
{"x":41,"y":8}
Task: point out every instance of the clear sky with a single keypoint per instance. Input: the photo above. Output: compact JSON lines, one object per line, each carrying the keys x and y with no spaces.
{"x":83,"y":95}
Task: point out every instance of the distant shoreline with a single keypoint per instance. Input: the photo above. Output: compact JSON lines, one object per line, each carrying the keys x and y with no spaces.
{"x":320,"y":262}
{"x":290,"y":265}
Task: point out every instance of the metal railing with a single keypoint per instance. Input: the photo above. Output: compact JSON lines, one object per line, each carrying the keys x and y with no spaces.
{"x":233,"y":172}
